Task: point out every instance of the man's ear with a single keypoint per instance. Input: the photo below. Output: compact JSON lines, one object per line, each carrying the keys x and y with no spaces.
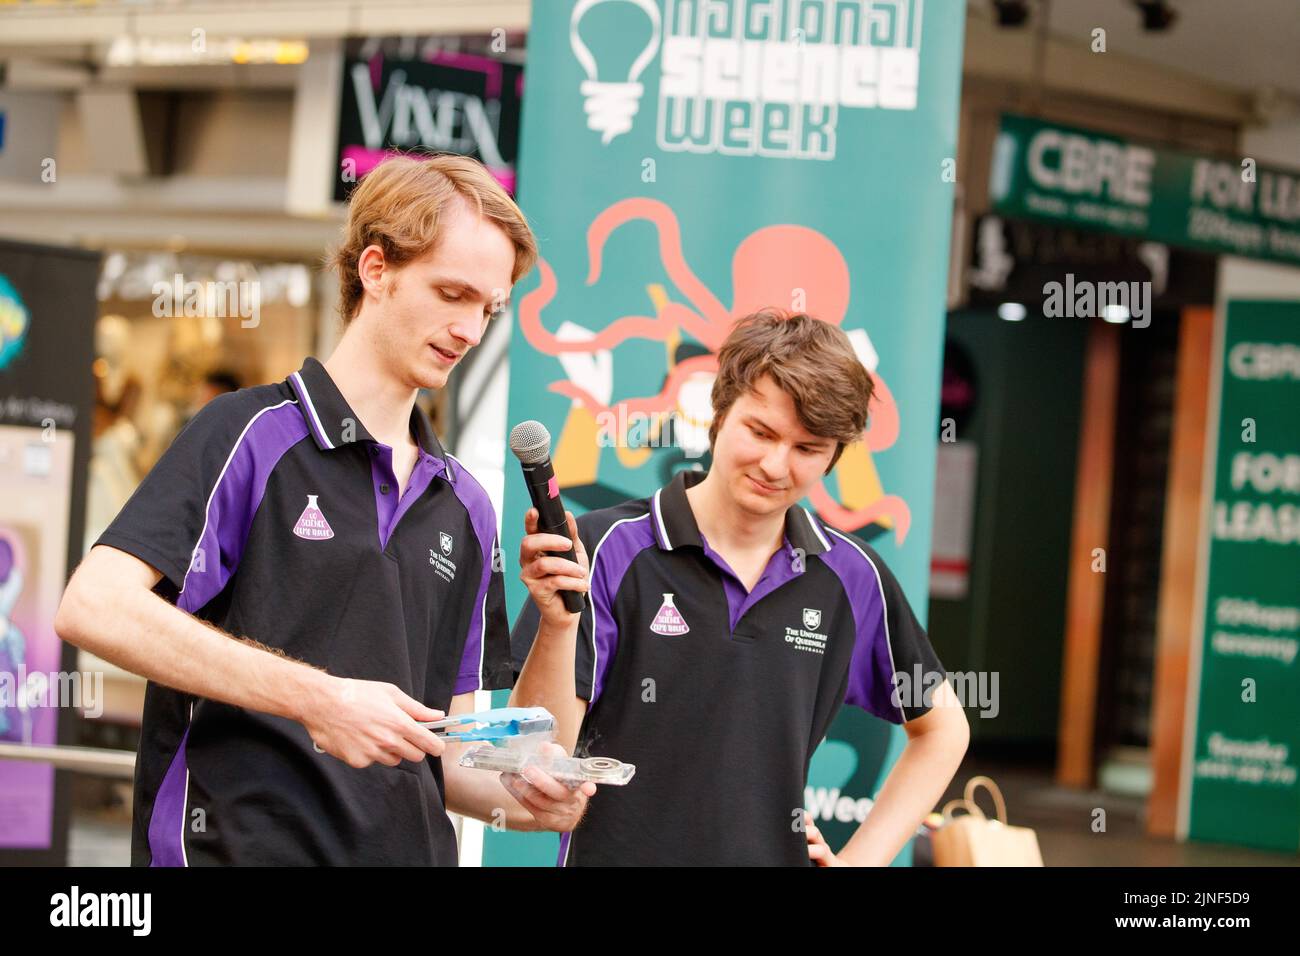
{"x":372,"y":270}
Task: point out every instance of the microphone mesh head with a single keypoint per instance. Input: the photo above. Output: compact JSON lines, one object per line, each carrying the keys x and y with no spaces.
{"x":531,"y":442}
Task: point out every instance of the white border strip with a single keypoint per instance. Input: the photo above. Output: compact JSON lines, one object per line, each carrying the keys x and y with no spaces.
{"x":185,"y":802}
{"x":451,"y":477}
{"x":207,"y":510}
{"x":816,"y":530}
{"x":487,"y":558}
{"x":207,"y":515}
{"x":306,"y":397}
{"x":595,"y":666}
{"x":595,"y":556}
{"x":884,"y":613}
{"x":659,"y":520}
{"x":482,"y":631}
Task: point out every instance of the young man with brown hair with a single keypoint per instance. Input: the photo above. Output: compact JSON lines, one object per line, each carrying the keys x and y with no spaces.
{"x":306,"y":574}
{"x":726,"y":625}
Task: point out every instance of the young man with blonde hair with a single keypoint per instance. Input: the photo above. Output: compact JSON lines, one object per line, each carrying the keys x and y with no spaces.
{"x":725,"y":627}
{"x":306,"y":574}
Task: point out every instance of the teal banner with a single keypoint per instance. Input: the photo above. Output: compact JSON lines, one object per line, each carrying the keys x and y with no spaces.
{"x":687,"y":162}
{"x":1083,"y":178}
{"x":1242,"y":777}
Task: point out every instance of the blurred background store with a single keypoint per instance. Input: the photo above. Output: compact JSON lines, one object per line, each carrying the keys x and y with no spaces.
{"x":201,"y":140}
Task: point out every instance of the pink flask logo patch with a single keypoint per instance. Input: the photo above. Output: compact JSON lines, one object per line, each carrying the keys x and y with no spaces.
{"x":312,"y":524}
{"x":669,"y":620}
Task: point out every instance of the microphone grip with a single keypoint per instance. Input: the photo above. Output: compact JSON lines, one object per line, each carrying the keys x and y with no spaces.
{"x":545,"y":494}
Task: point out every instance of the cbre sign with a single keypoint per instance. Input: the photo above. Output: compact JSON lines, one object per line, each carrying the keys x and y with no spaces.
{"x":1241,"y":776}
{"x":1095,"y":180}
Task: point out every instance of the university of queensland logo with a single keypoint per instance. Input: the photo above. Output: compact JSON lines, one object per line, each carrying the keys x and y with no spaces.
{"x":440,"y":558}
{"x":808,"y":638}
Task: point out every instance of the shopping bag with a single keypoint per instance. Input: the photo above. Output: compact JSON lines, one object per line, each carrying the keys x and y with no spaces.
{"x":974,"y":840}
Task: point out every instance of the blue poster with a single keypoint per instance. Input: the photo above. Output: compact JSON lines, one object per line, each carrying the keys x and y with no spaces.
{"x":687,"y":162}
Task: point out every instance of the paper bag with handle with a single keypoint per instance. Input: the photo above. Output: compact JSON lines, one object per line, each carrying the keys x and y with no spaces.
{"x":974,"y":840}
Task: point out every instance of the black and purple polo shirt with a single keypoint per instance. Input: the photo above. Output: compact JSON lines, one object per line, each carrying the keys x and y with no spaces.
{"x":720,"y":695}
{"x":275,"y":516}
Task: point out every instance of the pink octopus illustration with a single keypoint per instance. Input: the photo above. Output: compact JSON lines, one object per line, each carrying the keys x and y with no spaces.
{"x":767,"y":267}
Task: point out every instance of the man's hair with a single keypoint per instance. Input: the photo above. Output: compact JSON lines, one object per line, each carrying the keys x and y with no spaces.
{"x":811,"y":361}
{"x":398,"y":207}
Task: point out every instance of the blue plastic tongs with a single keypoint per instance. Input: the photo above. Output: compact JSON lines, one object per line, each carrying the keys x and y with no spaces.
{"x":493,"y":725}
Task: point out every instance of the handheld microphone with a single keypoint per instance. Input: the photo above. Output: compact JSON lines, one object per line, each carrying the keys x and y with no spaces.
{"x":531,"y":443}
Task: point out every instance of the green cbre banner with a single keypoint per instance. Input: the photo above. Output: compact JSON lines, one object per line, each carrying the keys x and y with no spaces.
{"x":1242,"y":780}
{"x":687,"y":162}
{"x":1095,"y":180}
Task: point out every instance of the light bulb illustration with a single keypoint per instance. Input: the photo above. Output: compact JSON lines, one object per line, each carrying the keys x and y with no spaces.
{"x":610,"y":104}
